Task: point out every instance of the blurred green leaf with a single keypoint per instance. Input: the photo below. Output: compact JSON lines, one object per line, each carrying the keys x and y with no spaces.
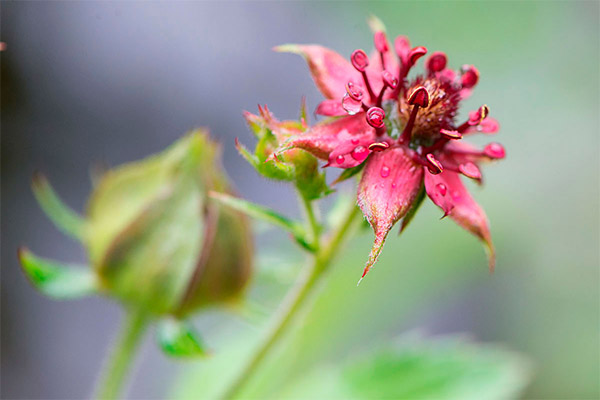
{"x":264,"y":214}
{"x":65,"y":219}
{"x":420,"y":369}
{"x":178,"y":339}
{"x":57,"y":280}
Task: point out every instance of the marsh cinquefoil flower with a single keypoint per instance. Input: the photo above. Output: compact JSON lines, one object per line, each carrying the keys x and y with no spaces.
{"x":401,"y":131}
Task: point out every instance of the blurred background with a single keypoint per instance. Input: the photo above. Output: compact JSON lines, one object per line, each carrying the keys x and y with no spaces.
{"x":110,"y":82}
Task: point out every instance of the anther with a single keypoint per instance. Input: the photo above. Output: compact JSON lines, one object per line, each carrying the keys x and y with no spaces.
{"x":375,"y":117}
{"x":494,"y":150}
{"x":436,"y":62}
{"x":434,"y":166}
{"x":470,"y":170}
{"x":377,"y":147}
{"x":415,"y":54}
{"x":448,"y":134}
{"x":469,"y":77}
{"x":475,"y":118}
{"x":419,"y":97}
{"x":359,"y":60}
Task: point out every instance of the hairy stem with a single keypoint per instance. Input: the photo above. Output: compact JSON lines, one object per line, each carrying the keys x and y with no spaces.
{"x":294,"y":301}
{"x":119,"y":362}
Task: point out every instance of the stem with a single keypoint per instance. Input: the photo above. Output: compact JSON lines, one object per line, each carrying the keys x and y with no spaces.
{"x":294,"y":301}
{"x":119,"y":362}
{"x":315,"y":227}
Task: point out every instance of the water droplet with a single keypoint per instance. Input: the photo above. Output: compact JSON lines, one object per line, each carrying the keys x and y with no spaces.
{"x":360,"y":153}
{"x":456,"y":195}
{"x":354,"y":141}
{"x":441,"y":188}
{"x":340,"y":159}
{"x":412,"y":169}
{"x":385,"y":172}
{"x":350,"y":105}
{"x":393,"y":185}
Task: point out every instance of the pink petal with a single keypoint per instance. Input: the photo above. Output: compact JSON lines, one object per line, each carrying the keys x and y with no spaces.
{"x":330,"y":108}
{"x":329,"y":70}
{"x":339,"y":142}
{"x":389,"y":185}
{"x":447,"y":191}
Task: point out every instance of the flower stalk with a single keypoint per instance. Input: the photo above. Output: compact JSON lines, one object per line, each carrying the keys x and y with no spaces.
{"x":303,"y":290}
{"x":119,"y":362}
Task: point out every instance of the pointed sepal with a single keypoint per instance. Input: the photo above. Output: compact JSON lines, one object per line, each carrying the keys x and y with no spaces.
{"x":388,"y":188}
{"x":65,"y":219}
{"x":178,"y":338}
{"x":57,"y":280}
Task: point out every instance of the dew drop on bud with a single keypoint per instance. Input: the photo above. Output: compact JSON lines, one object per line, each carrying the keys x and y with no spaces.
{"x":351,"y":105}
{"x":389,"y":79}
{"x":360,"y":153}
{"x":494,"y":150}
{"x":354,"y":91}
{"x":340,"y":159}
{"x":385,"y":172}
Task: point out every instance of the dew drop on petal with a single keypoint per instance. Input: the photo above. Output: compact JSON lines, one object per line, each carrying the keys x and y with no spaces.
{"x":385,"y":172}
{"x":360,"y":153}
{"x":456,"y":195}
{"x":354,"y":141}
{"x":350,"y":105}
{"x":393,"y":185}
{"x":441,"y":189}
{"x":340,"y":159}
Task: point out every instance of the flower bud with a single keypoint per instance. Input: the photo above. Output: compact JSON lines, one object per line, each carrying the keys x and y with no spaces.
{"x":156,"y":241}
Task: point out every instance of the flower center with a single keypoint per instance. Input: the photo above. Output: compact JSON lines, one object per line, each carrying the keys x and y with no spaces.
{"x":443,"y":103}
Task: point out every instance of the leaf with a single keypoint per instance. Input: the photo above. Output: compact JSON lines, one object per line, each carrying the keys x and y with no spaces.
{"x":178,"y":339}
{"x":65,"y":219}
{"x":57,"y":280}
{"x":264,"y":214}
{"x":420,"y":369}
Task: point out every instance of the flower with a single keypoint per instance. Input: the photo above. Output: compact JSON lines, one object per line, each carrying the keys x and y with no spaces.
{"x":401,"y":131}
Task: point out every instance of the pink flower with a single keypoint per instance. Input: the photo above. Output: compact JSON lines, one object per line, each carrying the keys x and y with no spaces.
{"x":401,"y":131}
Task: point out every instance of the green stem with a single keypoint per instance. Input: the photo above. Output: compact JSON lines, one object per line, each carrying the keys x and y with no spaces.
{"x":313,"y":223}
{"x":294,"y":301}
{"x":117,"y":366}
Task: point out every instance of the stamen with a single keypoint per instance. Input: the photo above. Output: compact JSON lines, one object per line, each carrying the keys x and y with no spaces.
{"x":377,"y":147}
{"x":469,"y":77}
{"x":354,"y":91}
{"x":360,"y":61}
{"x":494,"y":150}
{"x":375,"y":117}
{"x":418,"y":98}
{"x":470,"y":170}
{"x":475,"y":118}
{"x":448,"y":134}
{"x":436,"y":62}
{"x":381,"y":44}
{"x":390,"y":81}
{"x":434,"y":165}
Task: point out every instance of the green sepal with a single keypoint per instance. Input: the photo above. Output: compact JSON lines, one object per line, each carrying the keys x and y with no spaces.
{"x":349,"y":173}
{"x":65,"y":219}
{"x":264,"y":214}
{"x":413,"y":209}
{"x":57,"y":280}
{"x":178,"y":338}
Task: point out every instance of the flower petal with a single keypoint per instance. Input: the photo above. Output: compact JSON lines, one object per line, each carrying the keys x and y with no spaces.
{"x":330,"y":108}
{"x":329,"y":69}
{"x":343,"y":142}
{"x":389,"y":185}
{"x":447,"y":191}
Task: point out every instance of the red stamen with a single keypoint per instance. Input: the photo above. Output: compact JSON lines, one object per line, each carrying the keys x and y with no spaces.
{"x":377,"y":147}
{"x":434,"y":165}
{"x":436,"y":62}
{"x":359,"y":60}
{"x":381,"y":45}
{"x":494,"y":150}
{"x":469,"y":77}
{"x":390,"y":81}
{"x":419,"y":97}
{"x":355,"y":91}
{"x":470,"y":170}
{"x":455,"y":135}
{"x":415,"y":54}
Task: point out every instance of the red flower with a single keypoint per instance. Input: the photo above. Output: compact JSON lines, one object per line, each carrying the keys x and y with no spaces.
{"x":403,"y":132}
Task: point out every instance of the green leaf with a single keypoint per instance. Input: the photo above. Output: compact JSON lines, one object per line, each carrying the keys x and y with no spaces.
{"x":57,"y":280}
{"x":178,"y":339}
{"x":348,"y":173}
{"x":264,"y":214}
{"x":419,"y":369}
{"x":65,"y":219}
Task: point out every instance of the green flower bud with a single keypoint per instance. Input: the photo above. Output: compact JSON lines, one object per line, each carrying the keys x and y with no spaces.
{"x":155,"y":239}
